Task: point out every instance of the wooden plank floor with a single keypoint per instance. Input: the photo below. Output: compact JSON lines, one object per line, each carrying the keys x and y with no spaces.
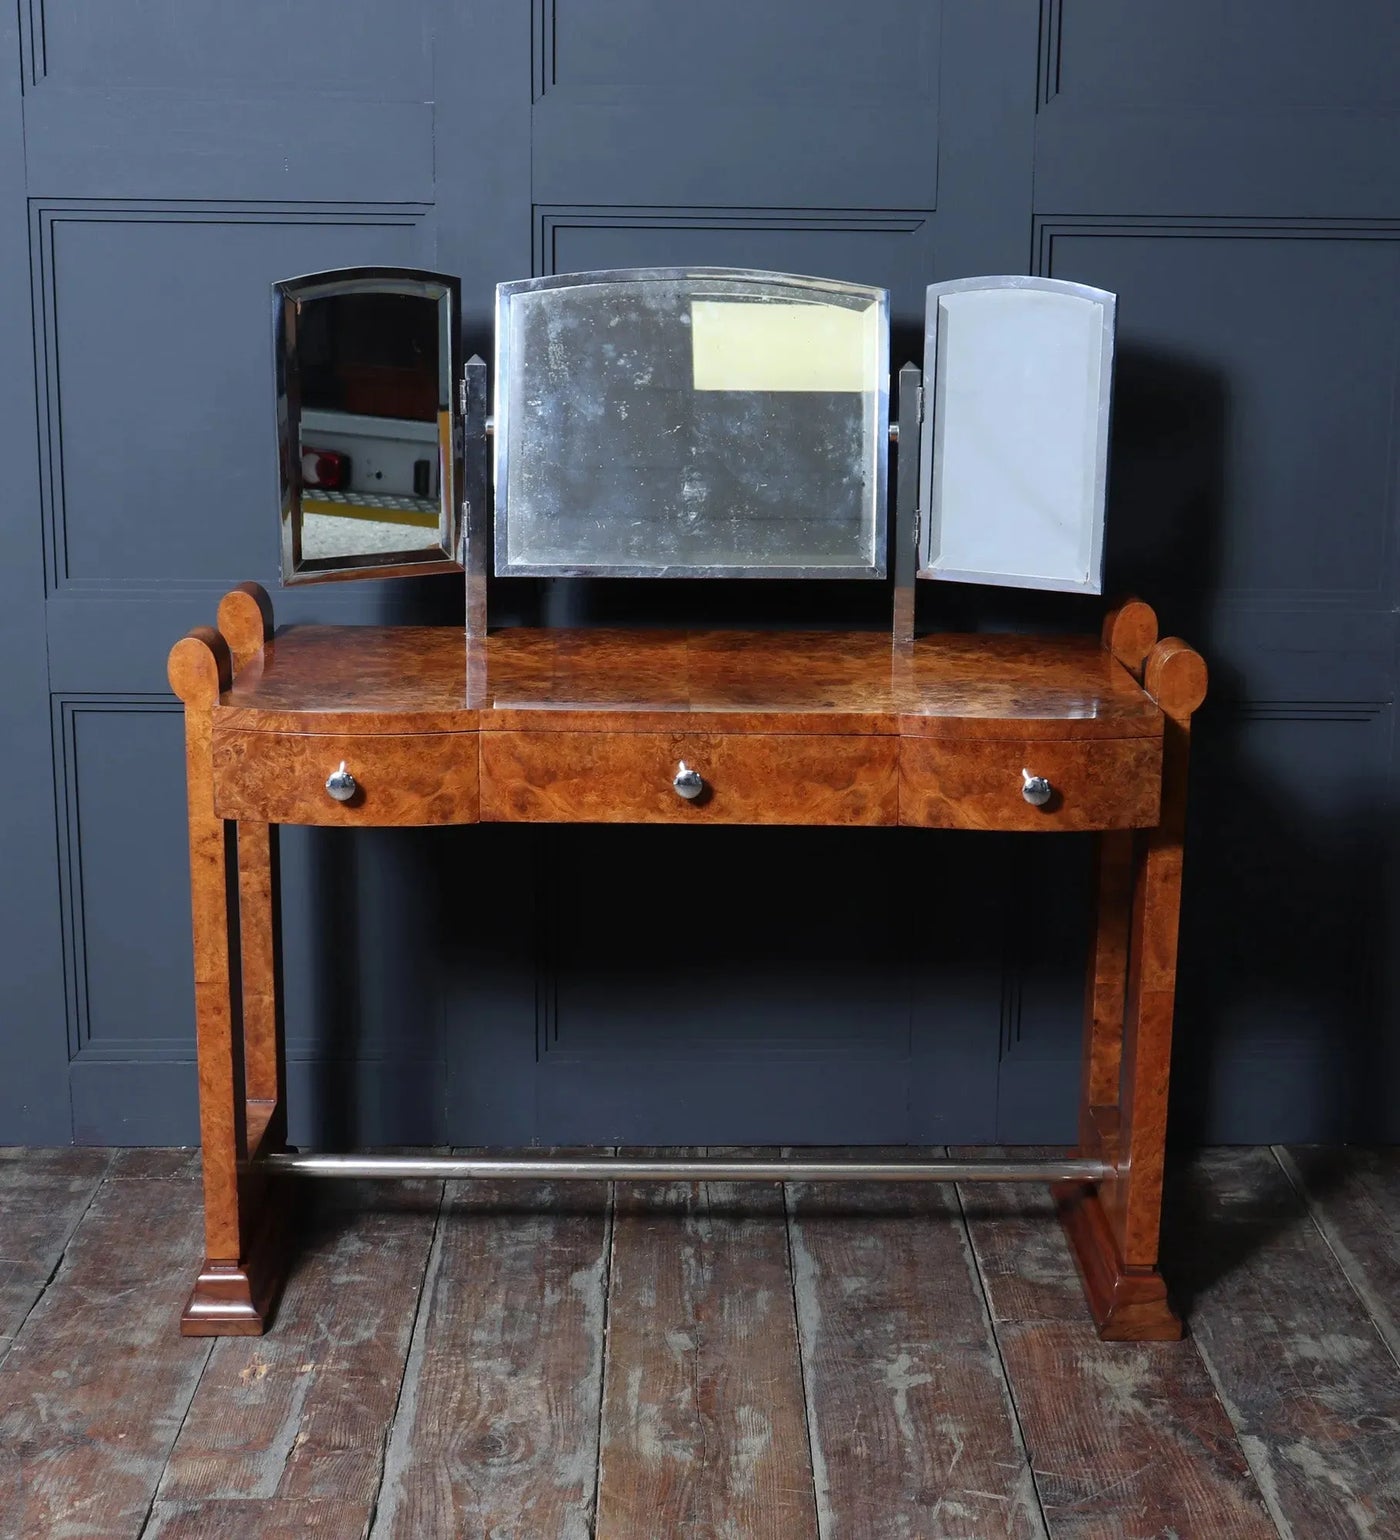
{"x":709,"y":1361}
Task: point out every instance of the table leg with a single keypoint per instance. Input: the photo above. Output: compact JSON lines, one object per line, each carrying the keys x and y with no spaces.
{"x":1114,"y":1228}
{"x":1106,"y":994}
{"x":259,"y":928}
{"x":240,"y":1101}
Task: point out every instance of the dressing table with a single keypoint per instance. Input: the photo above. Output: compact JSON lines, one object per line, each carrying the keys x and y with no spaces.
{"x":363,"y":726}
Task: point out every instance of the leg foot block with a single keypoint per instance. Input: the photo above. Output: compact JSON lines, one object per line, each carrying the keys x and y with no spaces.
{"x":237,"y":1299}
{"x":1129,"y":1304}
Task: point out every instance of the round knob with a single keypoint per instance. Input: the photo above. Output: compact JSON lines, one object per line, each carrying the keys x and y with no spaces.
{"x":341,"y":784}
{"x":1036,"y":789}
{"x":688,"y":783}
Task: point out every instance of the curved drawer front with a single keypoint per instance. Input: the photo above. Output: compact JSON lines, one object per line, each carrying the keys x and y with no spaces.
{"x":964,"y":783}
{"x":752,"y":778}
{"x":399,"y":778}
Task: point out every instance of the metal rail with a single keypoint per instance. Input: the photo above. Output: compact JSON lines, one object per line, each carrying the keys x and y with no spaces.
{"x":593,"y":1168}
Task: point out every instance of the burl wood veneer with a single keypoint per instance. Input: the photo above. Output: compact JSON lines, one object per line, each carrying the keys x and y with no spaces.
{"x":401,"y":778}
{"x":574,"y":726}
{"x":755,"y":778}
{"x":1099,"y":783}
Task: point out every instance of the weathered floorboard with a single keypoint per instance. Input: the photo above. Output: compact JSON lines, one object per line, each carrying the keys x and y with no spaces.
{"x":43,"y":1194}
{"x":266,"y":1518}
{"x":497,"y":1427}
{"x":703,"y":1426}
{"x":913,"y":1435}
{"x":1353,"y":1196}
{"x":1022,"y":1254}
{"x":1127,"y":1441}
{"x":1305,"y":1375}
{"x":99,"y":1378}
{"x":301,"y":1416}
{"x":1287,"y":1262}
{"x":157,"y":1165}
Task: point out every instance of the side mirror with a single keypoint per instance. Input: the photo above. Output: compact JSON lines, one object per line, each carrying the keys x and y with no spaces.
{"x":1018,"y":375}
{"x":369,"y":442}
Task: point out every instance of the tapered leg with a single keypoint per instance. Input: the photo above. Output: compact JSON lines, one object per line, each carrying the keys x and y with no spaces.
{"x":259,"y":928}
{"x":1114,"y":1226}
{"x":240,"y":1098}
{"x":245,"y":623}
{"x":1106,"y":994}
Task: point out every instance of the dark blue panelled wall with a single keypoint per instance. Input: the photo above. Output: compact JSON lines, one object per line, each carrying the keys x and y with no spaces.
{"x":1233,"y":173}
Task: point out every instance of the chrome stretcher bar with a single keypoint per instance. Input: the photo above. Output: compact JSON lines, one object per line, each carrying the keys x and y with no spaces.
{"x":592,"y":1168}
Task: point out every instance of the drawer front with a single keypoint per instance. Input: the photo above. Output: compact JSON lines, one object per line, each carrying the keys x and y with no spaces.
{"x":965,"y":783}
{"x":400,"y":778}
{"x":759,"y":778}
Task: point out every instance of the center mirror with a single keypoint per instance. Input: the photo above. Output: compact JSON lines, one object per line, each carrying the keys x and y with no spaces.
{"x":366,"y":372}
{"x":691,"y":422}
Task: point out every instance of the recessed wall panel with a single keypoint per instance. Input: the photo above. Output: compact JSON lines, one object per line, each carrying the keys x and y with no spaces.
{"x":378,"y":48}
{"x":124,"y":875}
{"x":1254,"y":444}
{"x":157,"y":424}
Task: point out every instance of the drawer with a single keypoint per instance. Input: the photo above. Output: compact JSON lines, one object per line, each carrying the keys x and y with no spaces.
{"x":758,"y":778}
{"x":966,"y":783}
{"x":400,"y":778}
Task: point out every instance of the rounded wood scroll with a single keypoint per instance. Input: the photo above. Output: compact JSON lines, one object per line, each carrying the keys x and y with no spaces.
{"x":200,"y":667}
{"x":1130,"y":633}
{"x":245,"y":619}
{"x":1175,"y":677}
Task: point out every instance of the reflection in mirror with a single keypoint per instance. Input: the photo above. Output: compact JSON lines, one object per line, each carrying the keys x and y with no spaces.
{"x":1017,"y":379}
{"x":366,"y":365}
{"x":691,"y":422}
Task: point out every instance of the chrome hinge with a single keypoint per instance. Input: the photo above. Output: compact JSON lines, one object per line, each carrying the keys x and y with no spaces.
{"x":462,"y":395}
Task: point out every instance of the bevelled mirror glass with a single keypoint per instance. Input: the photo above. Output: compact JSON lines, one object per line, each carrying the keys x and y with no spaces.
{"x":691,"y":422}
{"x":367,"y":371}
{"x":1017,"y":380}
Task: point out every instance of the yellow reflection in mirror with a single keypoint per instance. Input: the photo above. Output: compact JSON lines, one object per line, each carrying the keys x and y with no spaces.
{"x":769,"y":346}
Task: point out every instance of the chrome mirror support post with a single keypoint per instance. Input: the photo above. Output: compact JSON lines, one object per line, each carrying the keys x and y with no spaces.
{"x":476,"y":523}
{"x":906,"y":503}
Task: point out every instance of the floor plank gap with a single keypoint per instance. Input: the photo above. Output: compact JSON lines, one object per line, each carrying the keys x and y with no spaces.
{"x":974,"y":1267}
{"x":146,"y":1521}
{"x":1351,"y":1269}
{"x":9,"y":1337}
{"x":609,"y":1233}
{"x":814,"y":1457}
{"x":413,"y":1363}
{"x":1249,"y":1447}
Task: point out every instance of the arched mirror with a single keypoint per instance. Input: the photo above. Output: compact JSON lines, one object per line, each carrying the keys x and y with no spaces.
{"x":691,"y":422}
{"x":1018,"y":374}
{"x":369,"y":446}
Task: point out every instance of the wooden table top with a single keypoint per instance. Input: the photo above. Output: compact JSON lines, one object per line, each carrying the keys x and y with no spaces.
{"x":378,"y":679}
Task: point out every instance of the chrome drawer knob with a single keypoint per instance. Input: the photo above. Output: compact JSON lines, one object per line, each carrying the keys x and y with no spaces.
{"x":1036,"y":789}
{"x":688,"y":783}
{"x":341,"y":784}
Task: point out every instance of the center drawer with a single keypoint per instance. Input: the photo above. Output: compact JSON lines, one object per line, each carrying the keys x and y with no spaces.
{"x":757,"y":778}
{"x":395,"y":778}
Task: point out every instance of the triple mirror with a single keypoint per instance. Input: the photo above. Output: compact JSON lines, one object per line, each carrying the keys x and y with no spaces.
{"x":689,"y":422}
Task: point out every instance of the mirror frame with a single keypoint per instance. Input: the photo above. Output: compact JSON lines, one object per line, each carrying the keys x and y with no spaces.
{"x":930,"y":512}
{"x":287,"y":294}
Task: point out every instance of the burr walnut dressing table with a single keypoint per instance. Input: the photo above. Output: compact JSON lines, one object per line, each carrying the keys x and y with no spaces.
{"x":352,"y":726}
